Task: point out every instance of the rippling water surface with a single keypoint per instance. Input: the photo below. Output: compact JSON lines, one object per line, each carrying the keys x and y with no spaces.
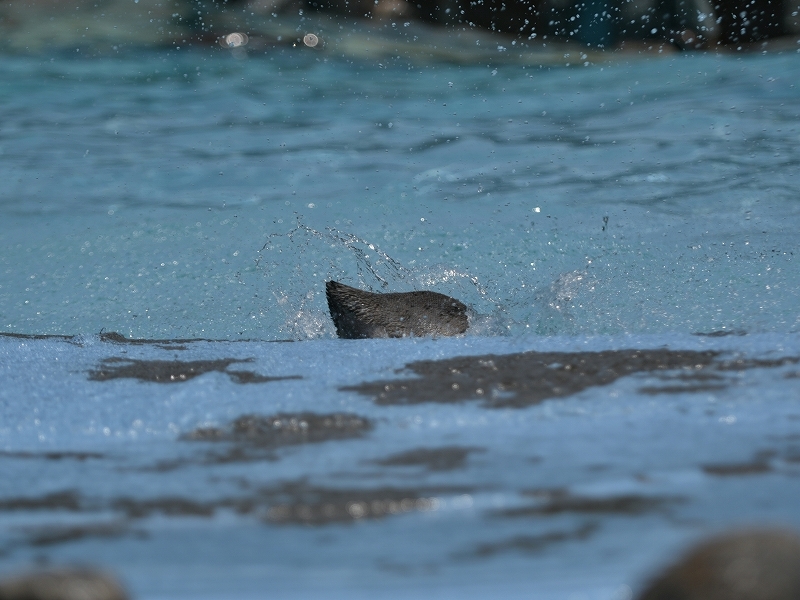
{"x":633,"y":196}
{"x":624,"y":234}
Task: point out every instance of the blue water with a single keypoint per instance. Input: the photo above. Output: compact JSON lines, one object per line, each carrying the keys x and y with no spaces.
{"x":137,"y":188}
{"x":629,"y":203}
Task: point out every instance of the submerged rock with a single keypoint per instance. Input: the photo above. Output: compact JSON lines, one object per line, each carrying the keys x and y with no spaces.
{"x":359,"y":314}
{"x":63,"y":584}
{"x":746,"y":565}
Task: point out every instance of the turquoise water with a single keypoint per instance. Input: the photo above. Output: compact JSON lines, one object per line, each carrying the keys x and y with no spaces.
{"x":636,"y":203}
{"x":137,"y":188}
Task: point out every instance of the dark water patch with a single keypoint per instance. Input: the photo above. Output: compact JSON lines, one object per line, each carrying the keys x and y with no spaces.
{"x":68,"y":500}
{"x":59,"y":534}
{"x":169,"y":506}
{"x":175,"y":371}
{"x":757,"y":465}
{"x":307,"y":505}
{"x":79,"y":456}
{"x":681,"y":389}
{"x":132,"y":508}
{"x":553,"y":502}
{"x":284,"y":429}
{"x":117,"y":338}
{"x":530,"y":544}
{"x":691,"y":376}
{"x":740,"y":363}
{"x":158,"y":371}
{"x":789,"y":454}
{"x":256,"y":437}
{"x":37,"y":336}
{"x":712,"y":379}
{"x":169,"y":344}
{"x":285,"y":503}
{"x":721,"y":333}
{"x":297,"y":502}
{"x":729,"y":469}
{"x":245,"y":377}
{"x":446,"y":458}
{"x":528,"y":378}
{"x":689,"y":382}
{"x":235,"y":454}
{"x":524,"y":379}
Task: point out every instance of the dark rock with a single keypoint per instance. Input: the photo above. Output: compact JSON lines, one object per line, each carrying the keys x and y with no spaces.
{"x":746,"y":565}
{"x":359,"y":314}
{"x":66,"y":584}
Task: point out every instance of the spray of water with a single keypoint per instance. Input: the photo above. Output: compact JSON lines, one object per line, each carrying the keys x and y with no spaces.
{"x":297,"y":263}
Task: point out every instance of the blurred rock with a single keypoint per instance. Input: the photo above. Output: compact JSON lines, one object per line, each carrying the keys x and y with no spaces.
{"x":66,"y":584}
{"x":746,"y":565}
{"x":35,"y":25}
{"x":792,"y":20}
{"x":86,"y":26}
{"x":747,"y":21}
{"x":686,"y":24}
{"x":363,"y":9}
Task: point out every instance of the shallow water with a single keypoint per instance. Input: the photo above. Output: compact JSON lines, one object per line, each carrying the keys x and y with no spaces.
{"x":581,"y":213}
{"x":516,"y":466}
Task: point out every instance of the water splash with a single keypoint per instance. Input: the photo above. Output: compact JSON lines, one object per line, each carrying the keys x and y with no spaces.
{"x":555,"y":302}
{"x":298,"y":262}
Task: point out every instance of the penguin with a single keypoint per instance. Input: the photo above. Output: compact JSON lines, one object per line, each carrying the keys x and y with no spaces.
{"x":358,"y":314}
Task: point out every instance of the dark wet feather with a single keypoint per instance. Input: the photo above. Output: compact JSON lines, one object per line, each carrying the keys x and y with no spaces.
{"x":360,"y":314}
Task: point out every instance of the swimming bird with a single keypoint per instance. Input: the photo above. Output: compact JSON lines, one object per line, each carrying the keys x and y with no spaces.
{"x":359,"y":314}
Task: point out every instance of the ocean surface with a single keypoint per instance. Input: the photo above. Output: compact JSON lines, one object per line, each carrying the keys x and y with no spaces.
{"x":175,"y":406}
